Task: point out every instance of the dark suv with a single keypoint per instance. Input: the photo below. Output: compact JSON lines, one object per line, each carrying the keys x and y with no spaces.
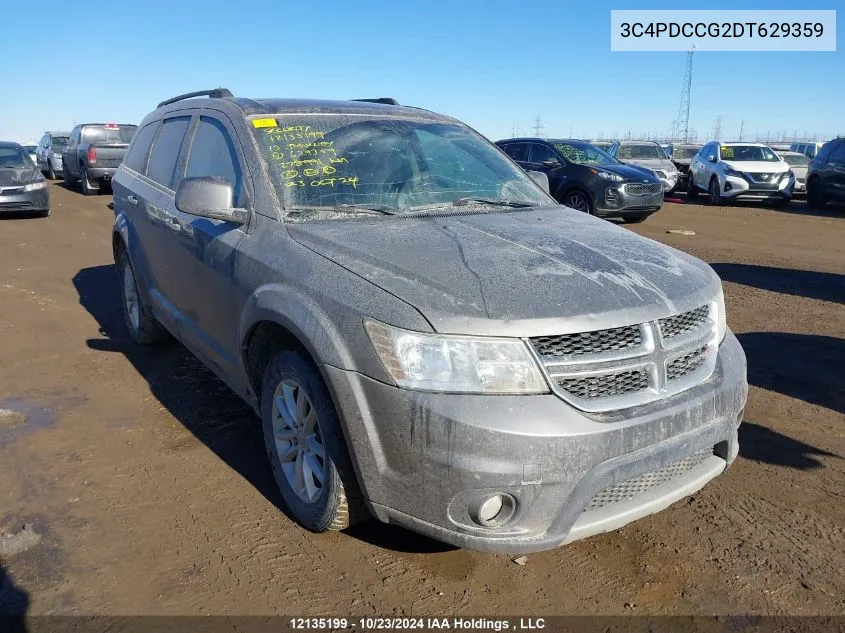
{"x":587,"y":179}
{"x":826,"y":175}
{"x":427,"y":336}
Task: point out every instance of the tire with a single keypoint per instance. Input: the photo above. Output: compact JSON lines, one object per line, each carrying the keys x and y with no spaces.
{"x":143,"y":327}
{"x":815,"y":195}
{"x":635,"y":219}
{"x":714,"y":196}
{"x":85,"y":185}
{"x":67,"y":177}
{"x":292,"y":392}
{"x":51,"y":173}
{"x":578,"y":200}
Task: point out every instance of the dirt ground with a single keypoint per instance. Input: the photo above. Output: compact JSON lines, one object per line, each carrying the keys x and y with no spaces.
{"x":145,"y":488}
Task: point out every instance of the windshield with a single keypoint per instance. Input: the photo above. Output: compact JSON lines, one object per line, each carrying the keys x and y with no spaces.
{"x":585,"y":154}
{"x":393,"y":164}
{"x":646,"y":152}
{"x":103,"y":134}
{"x":13,"y":158}
{"x":796,"y":160}
{"x":747,"y":152}
{"x":58,"y":141}
{"x":685,"y":151}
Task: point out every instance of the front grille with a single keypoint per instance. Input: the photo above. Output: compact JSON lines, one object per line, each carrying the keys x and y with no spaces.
{"x":638,"y":189}
{"x":764,"y":177}
{"x":605,"y":385}
{"x":673,"y":326}
{"x":643,"y":483}
{"x":686,"y":364}
{"x":618,"y":338}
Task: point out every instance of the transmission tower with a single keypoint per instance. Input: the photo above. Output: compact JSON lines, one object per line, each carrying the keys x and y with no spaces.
{"x":538,"y":126}
{"x":681,"y":129}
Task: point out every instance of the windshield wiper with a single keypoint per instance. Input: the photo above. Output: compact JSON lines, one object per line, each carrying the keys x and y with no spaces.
{"x":370,"y":209}
{"x":460,"y":202}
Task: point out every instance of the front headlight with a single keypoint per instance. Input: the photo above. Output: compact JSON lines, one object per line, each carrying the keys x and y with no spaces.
{"x":732,"y":172}
{"x":457,"y":364}
{"x":721,"y":319}
{"x":606,"y":175}
{"x":787,"y":175}
{"x":34,"y":186}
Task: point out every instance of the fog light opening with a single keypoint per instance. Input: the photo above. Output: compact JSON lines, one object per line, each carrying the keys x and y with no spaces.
{"x":495,"y":510}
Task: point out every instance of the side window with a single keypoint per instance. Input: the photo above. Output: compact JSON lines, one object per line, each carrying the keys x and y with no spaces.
{"x":165,"y":154}
{"x":74,"y":136}
{"x":136,"y":157}
{"x":518,"y":151}
{"x":213,"y":154}
{"x":837,"y":155}
{"x":540,"y":153}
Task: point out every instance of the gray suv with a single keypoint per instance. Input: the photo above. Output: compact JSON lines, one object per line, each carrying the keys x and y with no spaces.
{"x":426,"y":335}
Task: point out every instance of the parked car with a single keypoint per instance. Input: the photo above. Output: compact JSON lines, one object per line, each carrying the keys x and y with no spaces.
{"x":650,"y":155}
{"x":602,"y":145}
{"x":809,"y":149}
{"x":30,"y":150}
{"x":681,"y":156}
{"x":49,"y":153}
{"x":93,"y":154}
{"x":826,"y":175}
{"x":425,"y":334}
{"x":740,"y":171}
{"x":798,"y":163}
{"x":22,"y":187}
{"x":585,"y":178}
{"x":779,"y":147}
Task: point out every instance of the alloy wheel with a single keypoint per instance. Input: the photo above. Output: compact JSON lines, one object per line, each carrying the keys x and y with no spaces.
{"x":577,"y":201}
{"x":130,"y":297}
{"x":299,"y":444}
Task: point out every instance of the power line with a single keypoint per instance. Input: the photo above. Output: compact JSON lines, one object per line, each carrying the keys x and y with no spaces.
{"x":681,"y":123}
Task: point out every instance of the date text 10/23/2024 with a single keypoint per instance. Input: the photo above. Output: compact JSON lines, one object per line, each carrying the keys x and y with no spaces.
{"x":375,"y":623}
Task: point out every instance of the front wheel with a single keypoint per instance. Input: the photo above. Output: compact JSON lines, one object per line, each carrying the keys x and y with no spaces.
{"x":579,"y":201}
{"x":305,"y":445}
{"x":714,"y":195}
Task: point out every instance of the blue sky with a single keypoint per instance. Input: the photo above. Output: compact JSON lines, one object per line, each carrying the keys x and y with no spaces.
{"x":494,"y":64}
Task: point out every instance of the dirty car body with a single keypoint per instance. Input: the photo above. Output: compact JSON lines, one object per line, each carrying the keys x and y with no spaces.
{"x":509,"y":374}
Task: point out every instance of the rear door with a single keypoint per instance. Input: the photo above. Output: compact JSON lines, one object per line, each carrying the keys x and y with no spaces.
{"x":155,"y":227}
{"x":519,"y":153}
{"x":206,"y":254}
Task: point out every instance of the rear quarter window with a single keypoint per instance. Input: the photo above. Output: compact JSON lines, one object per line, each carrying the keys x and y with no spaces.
{"x":165,"y":153}
{"x":136,"y":157}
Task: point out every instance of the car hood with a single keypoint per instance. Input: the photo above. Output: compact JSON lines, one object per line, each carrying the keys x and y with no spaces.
{"x":652,"y":163}
{"x":19,"y":176}
{"x":757,"y":166}
{"x":800,"y":172}
{"x":539,"y":272}
{"x":629,"y":172}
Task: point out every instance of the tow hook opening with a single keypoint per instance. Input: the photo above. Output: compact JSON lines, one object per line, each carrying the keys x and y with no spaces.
{"x":493,"y":510}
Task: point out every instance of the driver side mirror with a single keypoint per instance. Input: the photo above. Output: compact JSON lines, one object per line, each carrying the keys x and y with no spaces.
{"x":208,"y":197}
{"x":711,"y":158}
{"x":541,"y":179}
{"x":551,"y":162}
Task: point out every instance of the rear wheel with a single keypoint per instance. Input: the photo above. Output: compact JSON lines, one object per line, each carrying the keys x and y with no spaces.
{"x":143,"y":327}
{"x":579,"y":201}
{"x":305,"y":445}
{"x":815,"y":195}
{"x":51,"y":173}
{"x":87,"y":190}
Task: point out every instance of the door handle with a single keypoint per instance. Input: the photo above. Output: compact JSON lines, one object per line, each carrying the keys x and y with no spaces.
{"x":172,"y":224}
{"x":132,"y":200}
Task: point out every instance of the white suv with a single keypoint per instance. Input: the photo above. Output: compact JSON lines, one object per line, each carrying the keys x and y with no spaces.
{"x":747,"y":171}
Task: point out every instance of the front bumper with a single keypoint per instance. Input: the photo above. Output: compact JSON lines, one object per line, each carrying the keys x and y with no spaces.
{"x":426,"y":460}
{"x":742,"y":188}
{"x":615,"y":199}
{"x":25,"y":202}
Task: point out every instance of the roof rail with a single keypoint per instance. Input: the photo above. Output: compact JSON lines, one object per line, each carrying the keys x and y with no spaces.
{"x":384,"y":100}
{"x":217,"y":93}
